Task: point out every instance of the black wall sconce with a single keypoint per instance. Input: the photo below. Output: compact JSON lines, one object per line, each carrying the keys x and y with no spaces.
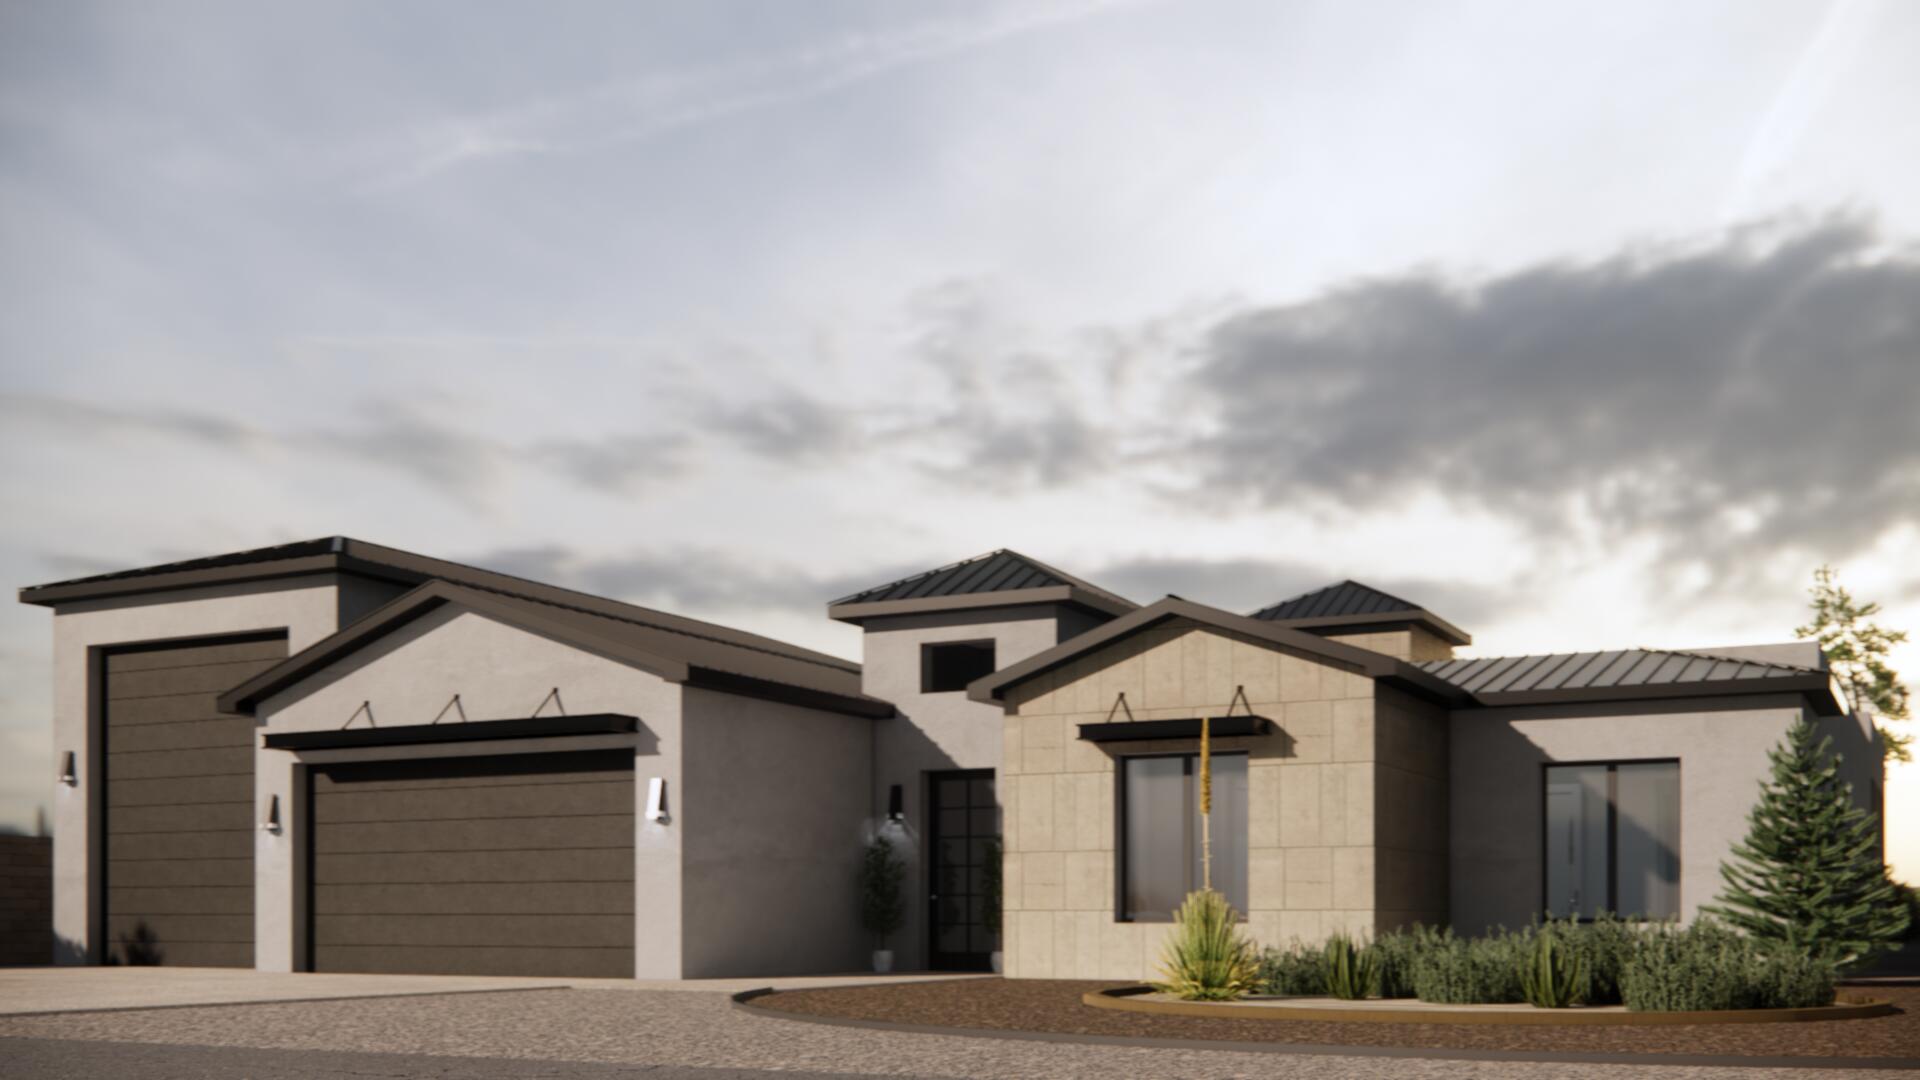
{"x":272,"y":824}
{"x":68,"y":771}
{"x":896,"y":804}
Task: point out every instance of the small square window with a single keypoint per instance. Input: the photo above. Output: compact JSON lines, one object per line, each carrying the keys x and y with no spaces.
{"x":951,"y":665}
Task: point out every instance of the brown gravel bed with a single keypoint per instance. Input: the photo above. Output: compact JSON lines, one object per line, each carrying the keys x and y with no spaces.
{"x":1053,"y":1005}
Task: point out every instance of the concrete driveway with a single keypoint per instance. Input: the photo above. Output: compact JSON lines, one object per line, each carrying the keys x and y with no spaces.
{"x":93,"y":989}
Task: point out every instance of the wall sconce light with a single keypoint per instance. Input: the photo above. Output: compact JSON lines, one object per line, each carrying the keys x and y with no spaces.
{"x":896,"y":804}
{"x":657,"y":799}
{"x":68,"y":771}
{"x":272,"y":824}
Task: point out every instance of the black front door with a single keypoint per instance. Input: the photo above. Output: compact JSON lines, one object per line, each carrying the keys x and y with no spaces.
{"x":963,"y":827}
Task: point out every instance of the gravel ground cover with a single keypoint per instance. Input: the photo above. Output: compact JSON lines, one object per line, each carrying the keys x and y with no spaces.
{"x":1055,"y":1006}
{"x":666,"y":1029}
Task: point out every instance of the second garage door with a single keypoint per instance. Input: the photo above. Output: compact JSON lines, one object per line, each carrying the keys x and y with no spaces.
{"x":516,"y":865}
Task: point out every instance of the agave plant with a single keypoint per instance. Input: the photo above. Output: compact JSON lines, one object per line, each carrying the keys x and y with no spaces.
{"x":1353,"y":970}
{"x":1206,"y":958}
{"x":1552,"y":976}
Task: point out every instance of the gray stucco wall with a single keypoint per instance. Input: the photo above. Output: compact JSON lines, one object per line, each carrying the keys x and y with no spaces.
{"x":773,"y":810}
{"x":1498,"y":754}
{"x":942,"y":731}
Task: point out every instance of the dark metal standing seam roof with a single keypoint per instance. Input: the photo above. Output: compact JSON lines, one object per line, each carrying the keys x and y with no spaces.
{"x":1001,"y":571}
{"x":1346,"y":598}
{"x":1604,"y":670}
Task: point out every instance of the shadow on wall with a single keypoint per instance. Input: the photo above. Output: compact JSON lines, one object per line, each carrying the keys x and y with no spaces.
{"x":138,"y":949}
{"x":26,"y":900}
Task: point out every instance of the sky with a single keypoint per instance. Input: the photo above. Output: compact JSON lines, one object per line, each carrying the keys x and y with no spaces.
{"x":1585,"y":326}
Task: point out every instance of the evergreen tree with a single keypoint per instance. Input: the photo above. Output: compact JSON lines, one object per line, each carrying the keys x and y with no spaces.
{"x":1857,"y":651}
{"x":1809,"y":873}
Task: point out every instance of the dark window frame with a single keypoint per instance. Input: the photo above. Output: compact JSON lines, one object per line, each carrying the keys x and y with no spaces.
{"x":991,"y":645}
{"x":1120,"y":822}
{"x":1612,"y":765}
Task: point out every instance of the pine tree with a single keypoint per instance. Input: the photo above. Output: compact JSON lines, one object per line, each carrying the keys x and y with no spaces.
{"x":1857,"y":652}
{"x":1809,"y":873}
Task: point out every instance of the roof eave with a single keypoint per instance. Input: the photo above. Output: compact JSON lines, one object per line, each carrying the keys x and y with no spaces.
{"x":51,"y":595}
{"x":857,"y":613}
{"x":1417,"y":616}
{"x":1816,"y":688}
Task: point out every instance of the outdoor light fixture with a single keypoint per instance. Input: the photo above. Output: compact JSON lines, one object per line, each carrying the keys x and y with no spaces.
{"x":68,"y":775}
{"x":272,"y":824}
{"x":896,"y":804}
{"x":657,"y":799}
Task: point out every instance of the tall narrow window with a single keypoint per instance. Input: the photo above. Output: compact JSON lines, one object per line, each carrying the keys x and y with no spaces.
{"x":1613,"y":839}
{"x":1160,"y":846}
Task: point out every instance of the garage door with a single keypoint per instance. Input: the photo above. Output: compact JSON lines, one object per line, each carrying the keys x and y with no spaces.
{"x":475,"y":866}
{"x":179,"y":792}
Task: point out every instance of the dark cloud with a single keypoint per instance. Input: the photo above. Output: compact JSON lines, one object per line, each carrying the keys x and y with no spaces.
{"x":1758,"y":394}
{"x":99,"y":420}
{"x":791,"y":426}
{"x":623,"y":465}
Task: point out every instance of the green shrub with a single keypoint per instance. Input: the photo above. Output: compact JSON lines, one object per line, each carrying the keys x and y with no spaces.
{"x":1398,"y":951}
{"x":1709,"y":966}
{"x":1553,"y":975}
{"x":1470,"y":971}
{"x":1604,"y":945}
{"x":1295,"y":971}
{"x":1205,"y":957}
{"x":1352,"y":970}
{"x":883,"y":902}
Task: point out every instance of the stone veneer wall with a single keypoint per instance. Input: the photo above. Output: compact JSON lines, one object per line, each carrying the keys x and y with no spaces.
{"x":1313,"y":795}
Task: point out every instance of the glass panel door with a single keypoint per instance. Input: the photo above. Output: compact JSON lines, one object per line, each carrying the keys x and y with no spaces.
{"x":963,"y":822}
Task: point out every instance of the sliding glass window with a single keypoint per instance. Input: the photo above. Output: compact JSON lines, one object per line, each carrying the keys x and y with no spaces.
{"x":1613,"y":839}
{"x":1160,"y":842}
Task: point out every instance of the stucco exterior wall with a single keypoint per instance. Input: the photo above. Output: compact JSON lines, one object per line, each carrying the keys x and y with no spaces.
{"x":500,"y":672}
{"x":773,"y":811}
{"x":1410,"y":643}
{"x":936,"y":732}
{"x":1312,"y":796}
{"x":1411,"y":792}
{"x":308,"y":608}
{"x":1497,"y":803}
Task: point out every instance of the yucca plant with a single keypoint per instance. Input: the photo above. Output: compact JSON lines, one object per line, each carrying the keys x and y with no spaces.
{"x":1353,"y":970}
{"x":1206,"y":958}
{"x":1552,"y":976}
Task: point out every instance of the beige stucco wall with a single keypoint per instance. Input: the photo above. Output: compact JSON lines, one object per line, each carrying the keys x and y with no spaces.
{"x":774,"y":811}
{"x":1312,"y":795}
{"x":935,"y":732}
{"x":500,"y":672}
{"x":308,"y":608}
{"x":1722,"y":744}
{"x":1411,"y":643}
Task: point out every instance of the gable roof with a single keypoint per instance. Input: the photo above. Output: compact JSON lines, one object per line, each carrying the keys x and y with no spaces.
{"x":992,"y":688}
{"x":1628,"y":673}
{"x":996,"y":579}
{"x":672,"y":654}
{"x":341,"y":554}
{"x":1349,"y":603}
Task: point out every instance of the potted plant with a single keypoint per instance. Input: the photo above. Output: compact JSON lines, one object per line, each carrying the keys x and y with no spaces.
{"x":883,"y":906}
{"x":990,"y":892}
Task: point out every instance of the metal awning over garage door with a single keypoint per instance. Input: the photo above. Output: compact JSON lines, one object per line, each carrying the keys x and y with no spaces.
{"x":519,"y":865}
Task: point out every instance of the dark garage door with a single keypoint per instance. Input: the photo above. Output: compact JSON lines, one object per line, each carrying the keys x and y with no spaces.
{"x":475,"y":866}
{"x":179,"y":792}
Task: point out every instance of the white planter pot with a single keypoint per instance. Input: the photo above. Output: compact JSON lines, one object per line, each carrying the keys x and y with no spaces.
{"x":995,"y":960}
{"x":882,"y":961}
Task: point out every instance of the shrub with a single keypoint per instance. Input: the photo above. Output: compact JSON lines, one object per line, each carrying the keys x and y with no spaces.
{"x":1399,"y":950}
{"x":883,"y":905}
{"x":1476,"y":971}
{"x":1352,"y":970}
{"x":1205,"y":957}
{"x":1711,"y":966}
{"x":1553,"y":975}
{"x":1294,"y":971}
{"x":1603,"y":945}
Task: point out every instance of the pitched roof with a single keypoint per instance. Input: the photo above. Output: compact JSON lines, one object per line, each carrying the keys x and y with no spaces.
{"x":341,"y":554}
{"x":1627,"y":673}
{"x":992,"y":688}
{"x":995,"y":579}
{"x":672,"y":654}
{"x":1349,"y":603}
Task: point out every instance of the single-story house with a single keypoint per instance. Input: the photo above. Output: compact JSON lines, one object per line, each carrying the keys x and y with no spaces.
{"x":336,"y":756}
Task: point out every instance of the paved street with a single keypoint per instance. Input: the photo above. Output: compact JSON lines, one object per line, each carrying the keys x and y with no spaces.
{"x":566,"y":1033}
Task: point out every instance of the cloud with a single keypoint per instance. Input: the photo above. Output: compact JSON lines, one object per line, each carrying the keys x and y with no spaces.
{"x":1754,"y":394}
{"x":685,"y":579}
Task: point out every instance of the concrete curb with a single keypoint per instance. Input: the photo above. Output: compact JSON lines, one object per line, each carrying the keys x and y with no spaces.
{"x":744,"y":1001}
{"x":284,"y":1001}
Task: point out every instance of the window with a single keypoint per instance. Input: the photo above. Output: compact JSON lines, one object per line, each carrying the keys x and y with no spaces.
{"x":1613,"y":839}
{"x":951,"y":665}
{"x":1160,"y":833}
